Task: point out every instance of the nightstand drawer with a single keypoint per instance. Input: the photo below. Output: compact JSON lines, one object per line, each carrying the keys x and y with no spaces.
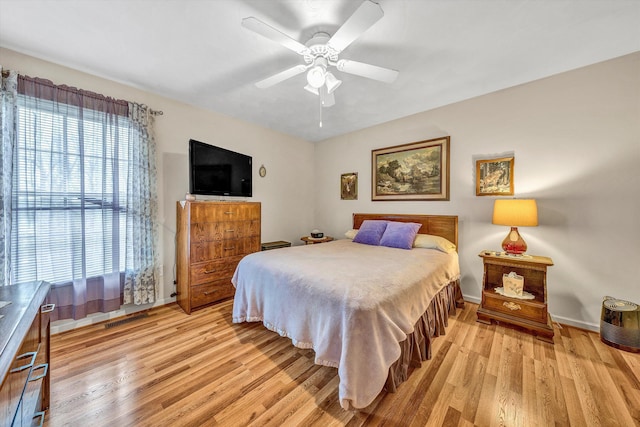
{"x":526,"y":309}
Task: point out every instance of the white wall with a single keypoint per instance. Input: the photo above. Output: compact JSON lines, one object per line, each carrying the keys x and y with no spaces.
{"x":576,"y":141}
{"x":285,"y":192}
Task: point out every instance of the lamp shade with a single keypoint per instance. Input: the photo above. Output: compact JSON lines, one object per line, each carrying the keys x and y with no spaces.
{"x":316,"y":76}
{"x":312,"y":89}
{"x":332,"y":83}
{"x":515,"y":212}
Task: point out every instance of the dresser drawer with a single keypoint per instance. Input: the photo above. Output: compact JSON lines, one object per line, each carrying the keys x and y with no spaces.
{"x":209,"y":251}
{"x":203,"y":212}
{"x":211,"y":292}
{"x":212,"y":231}
{"x":203,"y":272}
{"x":527,"y":309}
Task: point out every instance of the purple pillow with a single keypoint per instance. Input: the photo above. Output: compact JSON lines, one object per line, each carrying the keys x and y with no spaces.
{"x":370,"y":232}
{"x":400,"y":234}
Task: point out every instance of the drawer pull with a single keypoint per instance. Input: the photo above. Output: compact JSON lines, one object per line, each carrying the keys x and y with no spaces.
{"x":32,"y":355}
{"x":512,"y":305}
{"x":41,"y":416}
{"x":210,"y":271}
{"x":47,"y":308}
{"x":207,"y":293}
{"x":229,"y":248}
{"x":45,"y":367}
{"x":230,"y":231}
{"x":228,"y":213}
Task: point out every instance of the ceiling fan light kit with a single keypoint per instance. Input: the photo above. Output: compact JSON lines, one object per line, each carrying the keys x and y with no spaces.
{"x":322,"y":51}
{"x":316,"y":74}
{"x":332,"y":82}
{"x":312,"y":89}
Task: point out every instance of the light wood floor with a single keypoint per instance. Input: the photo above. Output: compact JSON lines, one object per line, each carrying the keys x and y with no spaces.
{"x":171,"y":369}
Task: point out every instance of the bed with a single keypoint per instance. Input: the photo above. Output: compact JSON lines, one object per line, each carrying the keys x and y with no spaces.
{"x":369,"y":311}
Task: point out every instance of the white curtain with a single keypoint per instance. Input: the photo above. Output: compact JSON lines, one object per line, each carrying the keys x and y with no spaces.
{"x":83,"y":197}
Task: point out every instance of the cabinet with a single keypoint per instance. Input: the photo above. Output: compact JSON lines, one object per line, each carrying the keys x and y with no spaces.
{"x":24,"y":360}
{"x":211,"y":238}
{"x":530,"y":314}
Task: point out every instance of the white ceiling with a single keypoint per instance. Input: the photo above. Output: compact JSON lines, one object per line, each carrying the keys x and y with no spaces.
{"x":196,"y":51}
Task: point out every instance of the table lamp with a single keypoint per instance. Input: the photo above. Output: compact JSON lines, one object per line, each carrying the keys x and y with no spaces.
{"x":515,"y":213}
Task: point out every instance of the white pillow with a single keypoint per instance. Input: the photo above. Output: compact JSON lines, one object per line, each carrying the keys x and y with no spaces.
{"x":350,"y":234}
{"x":429,"y":241}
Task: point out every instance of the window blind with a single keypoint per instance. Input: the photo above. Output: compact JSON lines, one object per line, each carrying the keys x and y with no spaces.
{"x":70,"y":174}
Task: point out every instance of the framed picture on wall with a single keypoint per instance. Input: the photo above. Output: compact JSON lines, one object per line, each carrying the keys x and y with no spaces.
{"x":416,"y":171}
{"x":349,"y":186}
{"x":494,"y":177}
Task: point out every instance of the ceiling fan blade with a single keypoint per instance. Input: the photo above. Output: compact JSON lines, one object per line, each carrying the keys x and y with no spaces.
{"x":364,"y":17}
{"x":281,"y":76}
{"x":369,"y":71}
{"x":265,"y":30}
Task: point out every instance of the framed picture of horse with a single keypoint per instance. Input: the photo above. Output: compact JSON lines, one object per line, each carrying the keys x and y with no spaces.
{"x":349,"y":186}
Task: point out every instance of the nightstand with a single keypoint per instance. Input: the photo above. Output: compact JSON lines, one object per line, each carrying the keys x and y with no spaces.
{"x":308,"y":240}
{"x":530,"y":314}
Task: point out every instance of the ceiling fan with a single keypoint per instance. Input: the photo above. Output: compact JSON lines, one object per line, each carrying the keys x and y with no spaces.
{"x":321,"y":52}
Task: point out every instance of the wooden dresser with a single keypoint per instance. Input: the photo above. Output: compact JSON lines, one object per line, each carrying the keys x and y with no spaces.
{"x":24,"y":360}
{"x":211,"y":238}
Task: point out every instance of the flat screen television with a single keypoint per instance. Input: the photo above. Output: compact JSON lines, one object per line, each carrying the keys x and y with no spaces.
{"x":215,"y":171}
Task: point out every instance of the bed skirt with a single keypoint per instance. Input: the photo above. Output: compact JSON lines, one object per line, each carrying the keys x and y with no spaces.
{"x":417,"y":347}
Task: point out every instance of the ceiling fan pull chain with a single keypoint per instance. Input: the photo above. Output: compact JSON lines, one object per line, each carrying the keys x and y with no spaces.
{"x":320,"y":105}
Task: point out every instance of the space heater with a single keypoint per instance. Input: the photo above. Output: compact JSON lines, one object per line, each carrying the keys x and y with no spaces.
{"x":620,"y":324}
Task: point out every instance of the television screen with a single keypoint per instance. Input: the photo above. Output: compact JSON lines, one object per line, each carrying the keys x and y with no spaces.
{"x":216,"y":171}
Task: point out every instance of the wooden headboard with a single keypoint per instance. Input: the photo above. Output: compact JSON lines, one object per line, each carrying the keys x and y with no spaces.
{"x":439,"y":225}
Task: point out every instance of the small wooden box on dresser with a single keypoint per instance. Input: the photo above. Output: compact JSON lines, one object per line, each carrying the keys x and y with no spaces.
{"x":530,"y":314}
{"x":211,"y":238}
{"x":24,"y":357}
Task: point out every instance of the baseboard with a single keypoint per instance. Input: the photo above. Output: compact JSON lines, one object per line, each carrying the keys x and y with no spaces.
{"x":474,"y":300}
{"x":556,"y":319}
{"x":70,"y":324}
{"x":575,"y":323}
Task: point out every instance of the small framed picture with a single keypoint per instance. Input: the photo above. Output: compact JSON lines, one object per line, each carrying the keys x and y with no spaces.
{"x":349,"y":186}
{"x":494,"y":177}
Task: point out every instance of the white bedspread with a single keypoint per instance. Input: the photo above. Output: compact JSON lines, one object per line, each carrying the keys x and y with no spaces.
{"x":351,"y":303}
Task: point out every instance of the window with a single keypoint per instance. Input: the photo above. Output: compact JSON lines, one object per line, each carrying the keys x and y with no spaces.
{"x":79,"y":201}
{"x":69,"y":178}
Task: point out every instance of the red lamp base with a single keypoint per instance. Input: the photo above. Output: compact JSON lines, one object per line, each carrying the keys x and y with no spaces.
{"x":514,"y":244}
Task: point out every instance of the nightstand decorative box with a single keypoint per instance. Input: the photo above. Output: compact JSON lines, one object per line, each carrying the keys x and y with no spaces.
{"x":528,"y":311}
